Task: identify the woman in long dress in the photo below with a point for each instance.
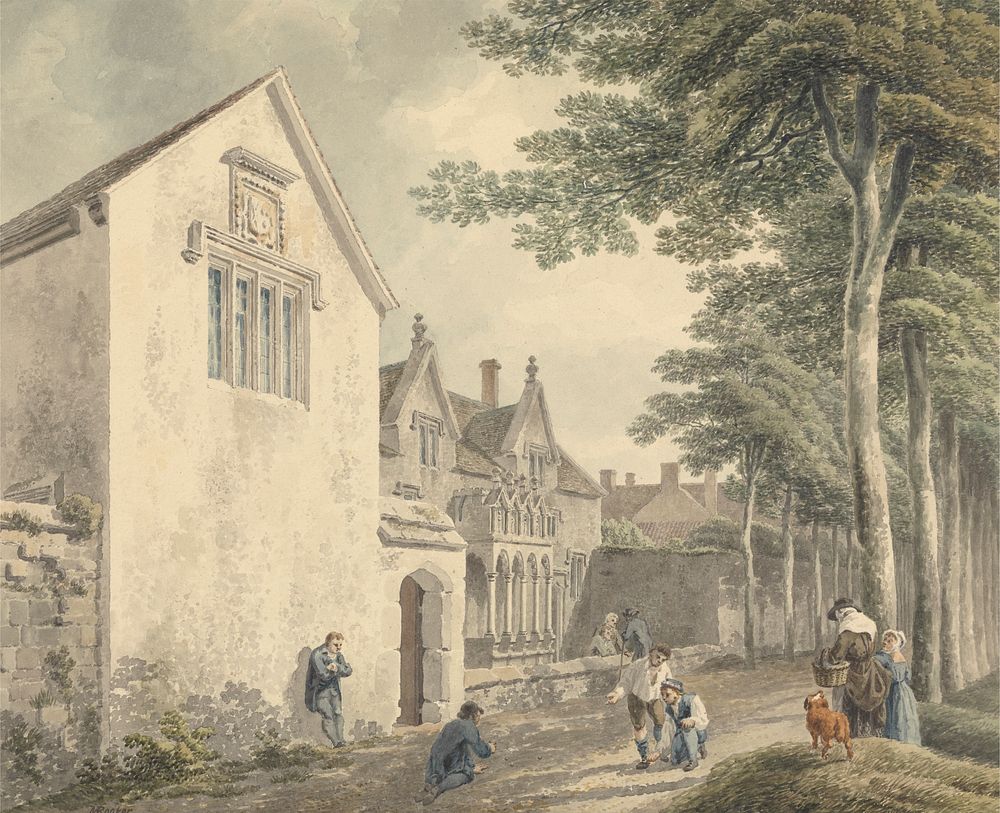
(867, 682)
(901, 720)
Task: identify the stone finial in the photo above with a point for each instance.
(532, 368)
(419, 329)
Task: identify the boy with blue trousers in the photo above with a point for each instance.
(686, 711)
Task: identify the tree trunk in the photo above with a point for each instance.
(788, 546)
(952, 678)
(993, 543)
(836, 560)
(981, 566)
(967, 607)
(750, 587)
(875, 228)
(850, 561)
(819, 608)
(926, 662)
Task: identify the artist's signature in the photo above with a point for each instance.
(106, 809)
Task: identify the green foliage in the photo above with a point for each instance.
(960, 732)
(291, 775)
(884, 775)
(42, 700)
(20, 520)
(58, 666)
(723, 128)
(273, 751)
(622, 533)
(83, 512)
(148, 763)
(721, 533)
(21, 745)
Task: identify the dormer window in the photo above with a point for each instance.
(429, 430)
(536, 464)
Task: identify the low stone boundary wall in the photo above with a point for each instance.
(512, 688)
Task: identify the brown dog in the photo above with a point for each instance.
(827, 725)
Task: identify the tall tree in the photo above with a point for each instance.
(738, 108)
(744, 408)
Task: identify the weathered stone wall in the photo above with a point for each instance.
(50, 635)
(519, 689)
(696, 599)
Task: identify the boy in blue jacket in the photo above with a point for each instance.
(686, 711)
(451, 762)
(327, 666)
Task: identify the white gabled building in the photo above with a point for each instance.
(190, 333)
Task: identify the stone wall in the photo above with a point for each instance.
(50, 635)
(697, 599)
(513, 688)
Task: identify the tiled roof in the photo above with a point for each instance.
(113, 171)
(388, 378)
(473, 460)
(465, 408)
(662, 533)
(570, 477)
(487, 429)
(624, 501)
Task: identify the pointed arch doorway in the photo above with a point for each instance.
(423, 608)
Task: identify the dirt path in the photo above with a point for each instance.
(575, 757)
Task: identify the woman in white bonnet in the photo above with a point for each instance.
(867, 681)
(901, 720)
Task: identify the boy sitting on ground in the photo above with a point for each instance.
(686, 711)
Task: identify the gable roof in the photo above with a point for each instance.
(570, 476)
(388, 378)
(487, 429)
(61, 206)
(422, 362)
(623, 502)
(106, 175)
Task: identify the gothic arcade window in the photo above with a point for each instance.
(252, 342)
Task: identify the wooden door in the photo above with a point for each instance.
(411, 652)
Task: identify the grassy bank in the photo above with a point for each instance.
(967, 724)
(884, 775)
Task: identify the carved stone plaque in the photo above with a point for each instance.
(257, 205)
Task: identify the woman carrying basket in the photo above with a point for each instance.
(868, 683)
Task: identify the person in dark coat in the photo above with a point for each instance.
(867, 681)
(327, 666)
(451, 763)
(636, 637)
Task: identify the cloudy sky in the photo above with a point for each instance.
(389, 88)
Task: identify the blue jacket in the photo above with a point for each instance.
(450, 752)
(319, 678)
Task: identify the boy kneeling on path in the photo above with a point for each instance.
(641, 682)
(687, 713)
(451, 763)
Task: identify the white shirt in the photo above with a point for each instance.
(698, 713)
(642, 680)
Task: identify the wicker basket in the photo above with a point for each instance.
(831, 676)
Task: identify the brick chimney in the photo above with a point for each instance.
(608, 477)
(491, 382)
(711, 492)
(630, 478)
(670, 477)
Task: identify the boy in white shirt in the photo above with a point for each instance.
(641, 683)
